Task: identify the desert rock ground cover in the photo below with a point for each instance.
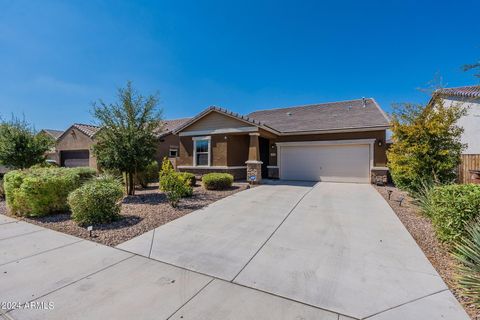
(144, 211)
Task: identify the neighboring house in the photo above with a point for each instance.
(339, 141)
(468, 97)
(168, 142)
(74, 145)
(54, 134)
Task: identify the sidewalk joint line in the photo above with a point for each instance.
(405, 303)
(80, 279)
(151, 244)
(41, 252)
(23, 234)
(198, 292)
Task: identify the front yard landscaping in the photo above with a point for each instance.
(423, 231)
(144, 211)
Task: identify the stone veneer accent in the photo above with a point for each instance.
(238, 173)
(254, 168)
(379, 173)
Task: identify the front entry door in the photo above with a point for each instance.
(264, 155)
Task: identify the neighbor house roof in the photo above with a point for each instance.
(88, 129)
(168, 126)
(466, 91)
(343, 115)
(55, 134)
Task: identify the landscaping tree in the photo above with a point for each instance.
(20, 146)
(126, 141)
(426, 144)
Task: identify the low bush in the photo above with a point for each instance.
(188, 177)
(422, 197)
(468, 254)
(174, 184)
(217, 181)
(42, 191)
(98, 201)
(451, 208)
(148, 175)
(175, 188)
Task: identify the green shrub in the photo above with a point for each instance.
(217, 181)
(468, 254)
(422, 196)
(175, 188)
(452, 207)
(98, 201)
(174, 184)
(148, 175)
(189, 178)
(42, 191)
(2, 190)
(44, 164)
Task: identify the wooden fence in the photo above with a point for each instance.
(469, 162)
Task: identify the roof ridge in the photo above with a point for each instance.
(176, 119)
(85, 124)
(312, 104)
(459, 87)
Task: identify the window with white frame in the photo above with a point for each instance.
(173, 153)
(201, 150)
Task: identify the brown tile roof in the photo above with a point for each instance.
(88, 129)
(168, 126)
(352, 114)
(466, 91)
(55, 134)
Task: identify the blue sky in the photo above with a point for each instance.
(57, 57)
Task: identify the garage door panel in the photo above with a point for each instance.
(75, 158)
(346, 163)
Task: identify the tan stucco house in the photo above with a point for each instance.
(73, 146)
(339, 141)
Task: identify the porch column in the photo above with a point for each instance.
(254, 165)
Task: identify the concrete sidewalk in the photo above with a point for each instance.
(48, 275)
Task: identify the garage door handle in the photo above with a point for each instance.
(320, 168)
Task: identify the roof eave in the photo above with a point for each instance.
(226, 113)
(339, 130)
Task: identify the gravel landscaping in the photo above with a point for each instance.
(145, 211)
(422, 231)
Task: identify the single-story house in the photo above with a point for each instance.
(469, 98)
(338, 141)
(52, 155)
(74, 146)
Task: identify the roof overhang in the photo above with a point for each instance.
(296, 133)
(227, 113)
(218, 131)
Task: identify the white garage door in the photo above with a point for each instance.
(337, 163)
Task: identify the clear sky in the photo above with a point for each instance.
(56, 57)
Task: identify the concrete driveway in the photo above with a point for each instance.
(334, 246)
(286, 251)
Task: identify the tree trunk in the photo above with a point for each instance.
(131, 184)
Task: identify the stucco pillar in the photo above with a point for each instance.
(254, 165)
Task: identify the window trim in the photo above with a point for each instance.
(209, 152)
(170, 151)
